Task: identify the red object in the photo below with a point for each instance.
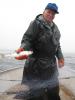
(61, 62)
(22, 57)
(19, 50)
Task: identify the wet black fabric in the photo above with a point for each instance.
(42, 39)
(44, 94)
(39, 75)
(52, 94)
(40, 70)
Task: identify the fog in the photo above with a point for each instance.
(15, 16)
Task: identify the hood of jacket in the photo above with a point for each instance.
(41, 19)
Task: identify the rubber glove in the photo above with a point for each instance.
(61, 63)
(21, 57)
(19, 50)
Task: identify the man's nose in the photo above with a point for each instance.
(51, 15)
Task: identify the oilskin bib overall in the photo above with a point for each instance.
(40, 72)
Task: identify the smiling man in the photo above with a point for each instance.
(43, 38)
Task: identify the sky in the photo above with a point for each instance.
(16, 15)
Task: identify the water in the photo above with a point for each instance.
(7, 63)
(70, 60)
(10, 63)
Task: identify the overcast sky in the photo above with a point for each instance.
(15, 16)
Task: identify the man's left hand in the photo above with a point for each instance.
(61, 63)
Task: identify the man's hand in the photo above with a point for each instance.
(22, 57)
(19, 50)
(61, 63)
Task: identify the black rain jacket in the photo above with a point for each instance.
(43, 39)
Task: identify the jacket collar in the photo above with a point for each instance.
(41, 19)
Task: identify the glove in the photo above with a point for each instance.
(61, 63)
(21, 57)
(19, 50)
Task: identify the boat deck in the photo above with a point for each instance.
(67, 91)
(67, 86)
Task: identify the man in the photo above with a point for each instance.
(42, 37)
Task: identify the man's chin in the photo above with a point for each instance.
(48, 20)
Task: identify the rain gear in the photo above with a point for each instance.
(40, 70)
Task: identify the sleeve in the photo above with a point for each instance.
(29, 36)
(59, 53)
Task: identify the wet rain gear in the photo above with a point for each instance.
(44, 40)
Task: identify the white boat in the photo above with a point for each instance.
(10, 84)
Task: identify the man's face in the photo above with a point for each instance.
(49, 15)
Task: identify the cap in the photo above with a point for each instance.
(53, 7)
